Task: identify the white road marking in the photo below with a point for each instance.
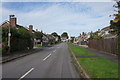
(54, 50)
(26, 73)
(51, 48)
(46, 57)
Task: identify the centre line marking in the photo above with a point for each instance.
(26, 73)
(46, 57)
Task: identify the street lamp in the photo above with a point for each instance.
(9, 34)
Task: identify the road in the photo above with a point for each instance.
(51, 62)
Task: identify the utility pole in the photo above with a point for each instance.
(9, 34)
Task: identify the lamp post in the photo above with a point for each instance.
(9, 34)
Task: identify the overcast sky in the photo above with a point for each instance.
(72, 17)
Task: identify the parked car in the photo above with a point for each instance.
(83, 42)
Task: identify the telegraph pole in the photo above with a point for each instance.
(9, 34)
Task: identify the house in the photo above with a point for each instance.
(105, 33)
(56, 38)
(45, 40)
(64, 39)
(51, 37)
(83, 38)
(12, 23)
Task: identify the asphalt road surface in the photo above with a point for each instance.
(51, 62)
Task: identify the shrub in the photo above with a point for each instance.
(21, 39)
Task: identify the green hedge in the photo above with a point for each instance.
(21, 39)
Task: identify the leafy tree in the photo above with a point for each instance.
(54, 34)
(72, 39)
(59, 38)
(38, 35)
(115, 24)
(83, 33)
(23, 33)
(65, 34)
(95, 36)
(25, 38)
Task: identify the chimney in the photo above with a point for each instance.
(13, 21)
(30, 28)
(36, 30)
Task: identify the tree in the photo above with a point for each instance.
(57, 36)
(83, 33)
(25, 38)
(38, 35)
(54, 34)
(115, 24)
(72, 39)
(95, 36)
(65, 34)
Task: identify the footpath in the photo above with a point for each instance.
(20, 54)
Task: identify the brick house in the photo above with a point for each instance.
(105, 33)
(13, 24)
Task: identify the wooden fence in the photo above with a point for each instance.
(106, 45)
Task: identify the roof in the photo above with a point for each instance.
(106, 28)
(8, 22)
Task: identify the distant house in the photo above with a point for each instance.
(105, 33)
(51, 37)
(45, 40)
(83, 38)
(64, 39)
(56, 38)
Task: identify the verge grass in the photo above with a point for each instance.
(95, 67)
(79, 51)
(99, 67)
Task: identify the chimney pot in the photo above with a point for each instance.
(30, 28)
(13, 21)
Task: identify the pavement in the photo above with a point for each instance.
(51, 62)
(109, 56)
(17, 55)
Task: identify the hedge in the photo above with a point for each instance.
(21, 39)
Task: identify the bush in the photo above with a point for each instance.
(21, 39)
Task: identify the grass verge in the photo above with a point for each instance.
(79, 51)
(95, 67)
(99, 67)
